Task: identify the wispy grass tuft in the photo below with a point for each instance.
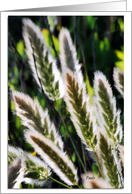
(33, 169)
(109, 123)
(118, 76)
(32, 115)
(41, 61)
(68, 54)
(109, 116)
(109, 162)
(53, 156)
(80, 110)
(15, 173)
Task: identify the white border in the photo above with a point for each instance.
(127, 108)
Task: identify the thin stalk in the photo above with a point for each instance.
(83, 152)
(60, 182)
(119, 173)
(98, 165)
(86, 76)
(93, 44)
(75, 32)
(80, 187)
(72, 142)
(53, 46)
(121, 34)
(18, 69)
(18, 55)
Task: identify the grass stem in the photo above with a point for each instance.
(98, 165)
(72, 143)
(60, 183)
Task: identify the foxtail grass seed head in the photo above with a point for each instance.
(34, 170)
(90, 181)
(109, 116)
(109, 162)
(15, 173)
(53, 22)
(53, 156)
(109, 122)
(13, 153)
(68, 54)
(42, 64)
(118, 77)
(78, 105)
(33, 116)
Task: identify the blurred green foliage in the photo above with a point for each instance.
(109, 51)
(120, 64)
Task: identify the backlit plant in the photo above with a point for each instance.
(97, 124)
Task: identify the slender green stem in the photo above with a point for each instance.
(88, 86)
(72, 142)
(98, 165)
(83, 152)
(60, 183)
(80, 187)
